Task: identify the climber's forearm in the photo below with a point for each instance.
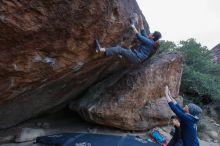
(143, 33)
(142, 22)
(167, 94)
(168, 98)
(142, 26)
(174, 101)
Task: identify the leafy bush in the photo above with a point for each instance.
(201, 77)
(167, 46)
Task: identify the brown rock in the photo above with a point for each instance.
(216, 53)
(47, 54)
(133, 100)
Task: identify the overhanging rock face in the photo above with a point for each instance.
(47, 54)
(133, 100)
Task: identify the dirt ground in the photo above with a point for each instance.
(67, 121)
(209, 126)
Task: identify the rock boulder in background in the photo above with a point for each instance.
(133, 100)
(216, 53)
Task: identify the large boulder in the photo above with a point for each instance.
(134, 99)
(47, 54)
(216, 53)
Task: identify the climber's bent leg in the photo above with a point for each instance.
(128, 54)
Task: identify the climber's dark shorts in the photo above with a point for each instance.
(127, 53)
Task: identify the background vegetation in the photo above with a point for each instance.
(201, 77)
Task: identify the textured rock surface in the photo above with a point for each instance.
(47, 54)
(133, 100)
(216, 53)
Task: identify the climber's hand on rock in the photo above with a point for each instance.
(134, 28)
(167, 90)
(167, 94)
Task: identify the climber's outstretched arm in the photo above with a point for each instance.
(167, 94)
(144, 40)
(141, 38)
(171, 99)
(143, 32)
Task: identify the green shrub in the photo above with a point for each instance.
(200, 75)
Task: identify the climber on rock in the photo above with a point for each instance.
(188, 119)
(149, 45)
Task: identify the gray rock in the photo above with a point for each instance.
(216, 53)
(44, 125)
(7, 139)
(215, 141)
(29, 134)
(204, 143)
(213, 134)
